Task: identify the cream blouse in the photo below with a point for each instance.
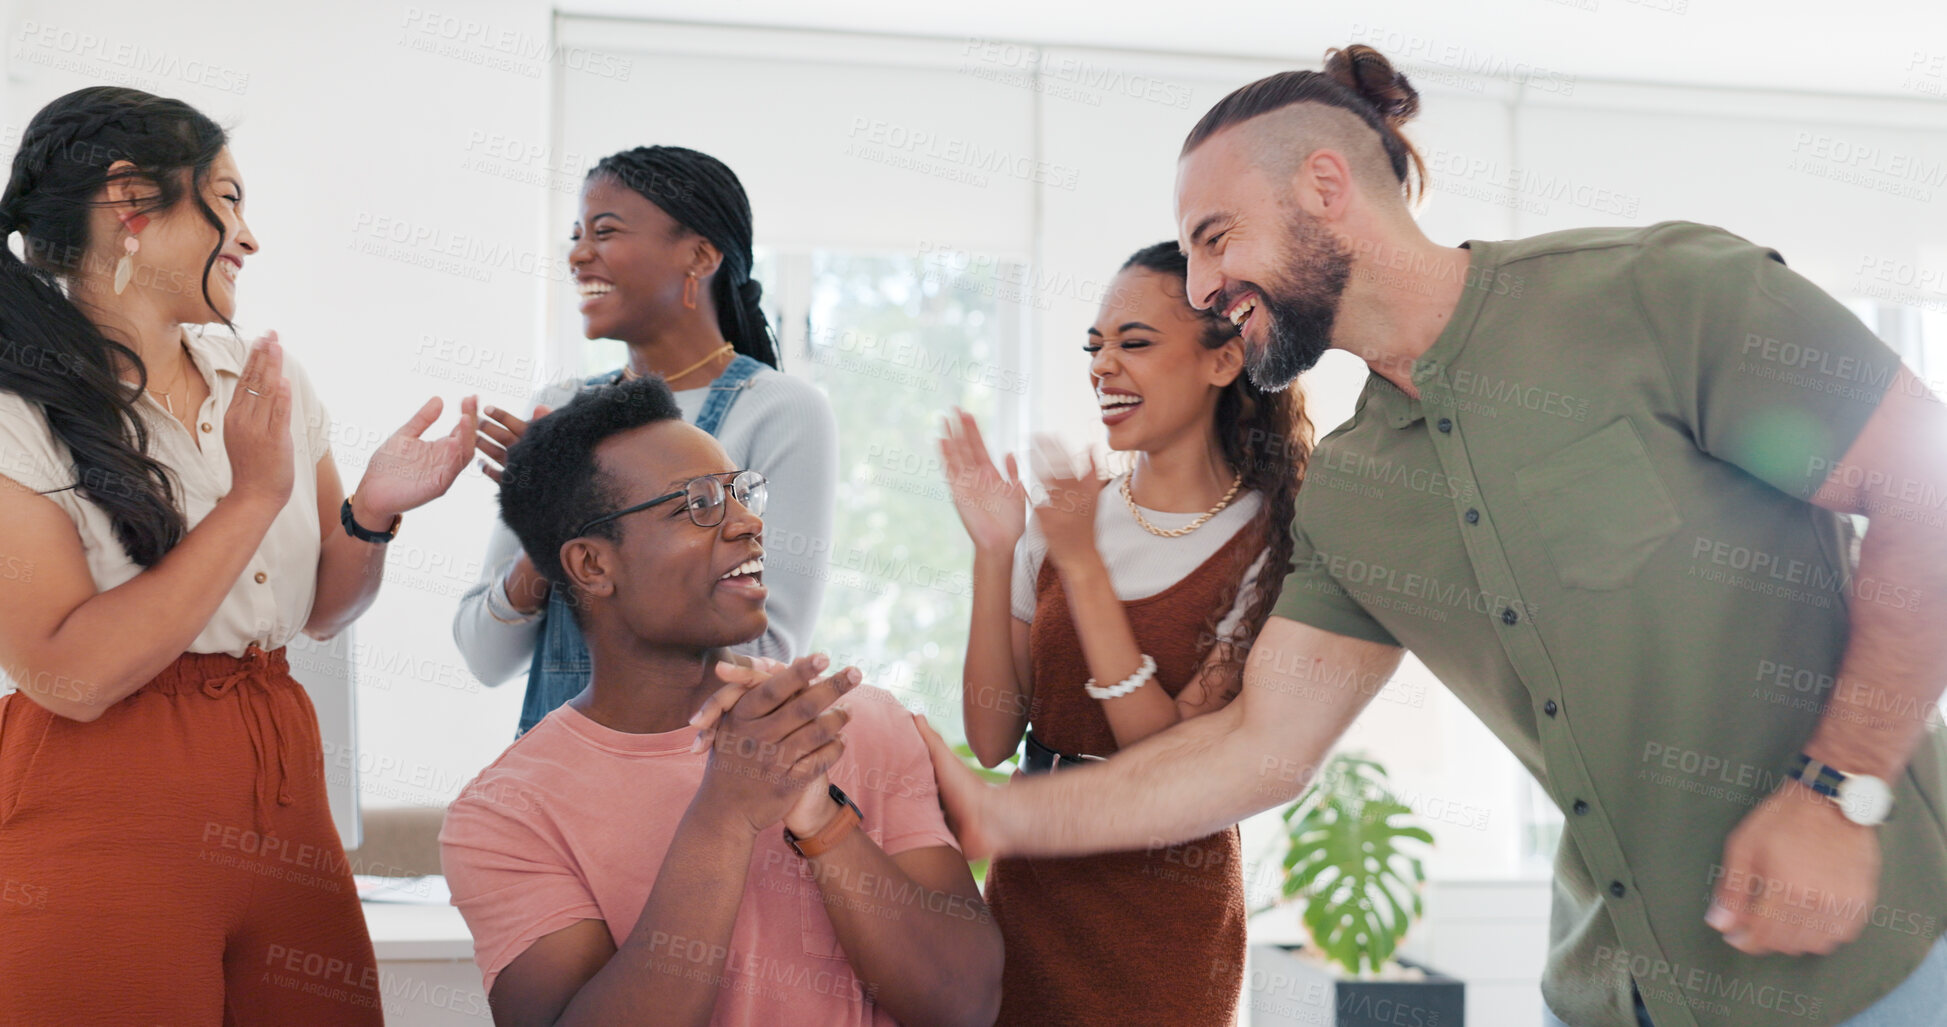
(270, 602)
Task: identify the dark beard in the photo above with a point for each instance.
(1302, 307)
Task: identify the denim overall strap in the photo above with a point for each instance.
(725, 390)
(560, 667)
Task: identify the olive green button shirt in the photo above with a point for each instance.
(1593, 526)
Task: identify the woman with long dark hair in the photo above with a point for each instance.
(1118, 610)
(662, 261)
(170, 516)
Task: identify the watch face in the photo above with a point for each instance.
(1865, 800)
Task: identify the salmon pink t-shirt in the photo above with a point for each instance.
(571, 823)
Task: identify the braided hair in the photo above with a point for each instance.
(703, 195)
(51, 354)
(1267, 439)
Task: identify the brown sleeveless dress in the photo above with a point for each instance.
(1124, 938)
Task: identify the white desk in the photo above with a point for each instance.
(426, 972)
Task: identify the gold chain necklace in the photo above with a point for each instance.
(1202, 519)
(628, 373)
(181, 379)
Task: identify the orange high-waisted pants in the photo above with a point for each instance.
(174, 861)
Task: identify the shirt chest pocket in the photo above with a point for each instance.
(1600, 507)
(869, 892)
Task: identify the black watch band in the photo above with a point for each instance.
(1824, 781)
(352, 527)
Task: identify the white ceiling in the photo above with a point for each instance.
(1889, 47)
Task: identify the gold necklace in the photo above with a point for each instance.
(168, 403)
(628, 373)
(1202, 519)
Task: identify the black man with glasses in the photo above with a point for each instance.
(614, 866)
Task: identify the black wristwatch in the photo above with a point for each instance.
(351, 525)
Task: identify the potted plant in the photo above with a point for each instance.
(1353, 856)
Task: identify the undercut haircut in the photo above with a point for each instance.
(1357, 106)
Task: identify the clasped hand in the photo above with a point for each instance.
(772, 732)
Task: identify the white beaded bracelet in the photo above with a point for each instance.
(1129, 684)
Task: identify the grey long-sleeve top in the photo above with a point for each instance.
(781, 427)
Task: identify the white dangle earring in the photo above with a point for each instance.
(125, 267)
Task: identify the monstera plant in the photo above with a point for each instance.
(1354, 858)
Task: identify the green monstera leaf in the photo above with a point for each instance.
(1353, 858)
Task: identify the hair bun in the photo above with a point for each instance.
(1367, 72)
(750, 291)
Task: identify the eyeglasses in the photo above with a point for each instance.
(705, 499)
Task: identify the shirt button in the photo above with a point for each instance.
(1616, 888)
(1445, 425)
(206, 426)
(1581, 807)
(262, 577)
(1509, 617)
(1549, 707)
(1473, 517)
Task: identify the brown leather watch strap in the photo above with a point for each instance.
(832, 833)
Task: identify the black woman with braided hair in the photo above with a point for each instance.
(170, 517)
(662, 261)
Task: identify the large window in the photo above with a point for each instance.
(896, 341)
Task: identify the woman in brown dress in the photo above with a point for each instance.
(1119, 609)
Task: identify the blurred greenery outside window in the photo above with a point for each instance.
(896, 340)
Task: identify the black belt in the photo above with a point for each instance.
(1039, 759)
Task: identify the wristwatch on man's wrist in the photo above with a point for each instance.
(1865, 800)
(834, 830)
